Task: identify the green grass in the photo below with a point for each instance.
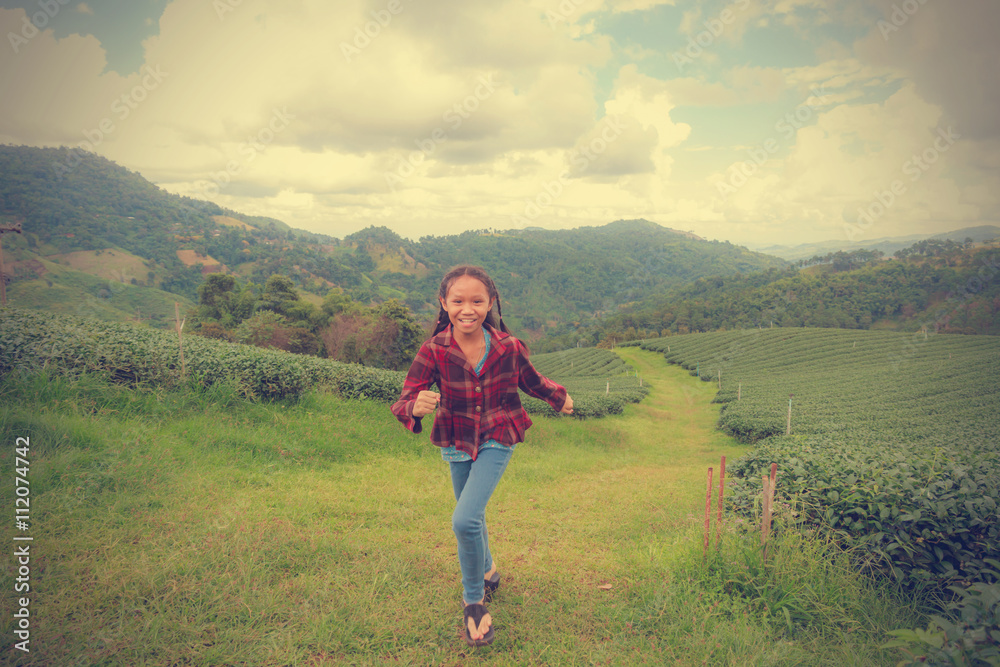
(66, 290)
(195, 528)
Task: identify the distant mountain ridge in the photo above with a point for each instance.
(887, 245)
(100, 216)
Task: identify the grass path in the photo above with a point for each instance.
(320, 533)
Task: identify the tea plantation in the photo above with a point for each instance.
(34, 341)
(598, 380)
(894, 440)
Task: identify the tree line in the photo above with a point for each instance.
(274, 315)
(954, 290)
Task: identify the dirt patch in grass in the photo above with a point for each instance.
(209, 264)
(227, 221)
(116, 265)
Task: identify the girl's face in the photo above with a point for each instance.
(467, 304)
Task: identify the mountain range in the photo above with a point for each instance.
(100, 240)
(886, 245)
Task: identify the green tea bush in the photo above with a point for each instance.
(967, 634)
(894, 445)
(125, 353)
(597, 379)
(34, 341)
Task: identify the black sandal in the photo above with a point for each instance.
(490, 586)
(476, 613)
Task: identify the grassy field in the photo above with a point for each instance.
(195, 528)
(94, 284)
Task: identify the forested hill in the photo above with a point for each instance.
(82, 214)
(941, 286)
(546, 277)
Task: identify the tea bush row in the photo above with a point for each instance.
(597, 379)
(894, 443)
(125, 353)
(131, 354)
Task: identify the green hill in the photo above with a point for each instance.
(546, 278)
(568, 276)
(941, 286)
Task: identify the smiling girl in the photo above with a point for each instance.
(478, 367)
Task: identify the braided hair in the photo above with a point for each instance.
(479, 273)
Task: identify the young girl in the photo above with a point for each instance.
(477, 366)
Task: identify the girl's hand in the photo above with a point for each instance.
(426, 402)
(567, 408)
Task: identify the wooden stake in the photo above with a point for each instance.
(718, 515)
(179, 324)
(708, 511)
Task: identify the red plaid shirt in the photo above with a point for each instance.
(473, 408)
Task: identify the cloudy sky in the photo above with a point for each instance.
(753, 121)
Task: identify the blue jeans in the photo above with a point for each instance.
(474, 482)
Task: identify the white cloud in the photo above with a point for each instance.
(949, 51)
(853, 156)
(478, 108)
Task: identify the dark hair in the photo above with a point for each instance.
(479, 273)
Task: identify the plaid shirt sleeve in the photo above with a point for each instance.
(531, 382)
(422, 374)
